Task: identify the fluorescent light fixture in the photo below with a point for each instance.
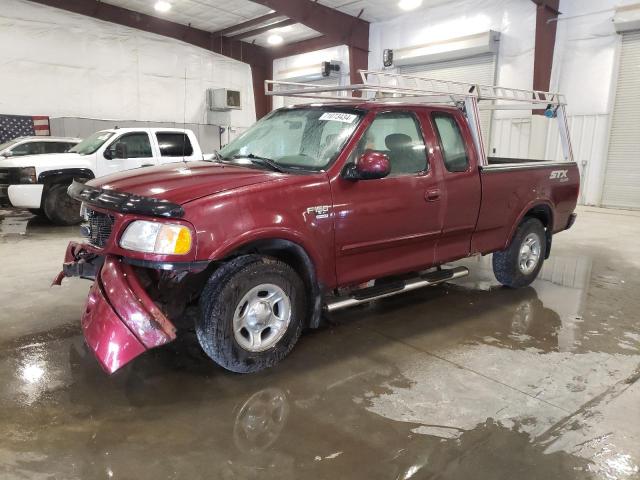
(288, 28)
(409, 4)
(162, 6)
(275, 40)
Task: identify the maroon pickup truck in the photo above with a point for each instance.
(314, 208)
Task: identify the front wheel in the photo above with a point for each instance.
(60, 208)
(252, 313)
(520, 263)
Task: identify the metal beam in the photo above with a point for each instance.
(266, 28)
(304, 46)
(338, 26)
(242, 51)
(248, 24)
(546, 24)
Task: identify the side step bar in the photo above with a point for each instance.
(383, 291)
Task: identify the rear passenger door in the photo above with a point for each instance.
(129, 150)
(462, 192)
(174, 146)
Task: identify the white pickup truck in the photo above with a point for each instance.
(39, 182)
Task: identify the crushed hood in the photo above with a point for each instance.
(182, 182)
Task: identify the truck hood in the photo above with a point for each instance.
(44, 161)
(183, 182)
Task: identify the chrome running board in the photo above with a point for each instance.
(383, 291)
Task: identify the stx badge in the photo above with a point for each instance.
(559, 175)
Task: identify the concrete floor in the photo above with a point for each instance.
(467, 380)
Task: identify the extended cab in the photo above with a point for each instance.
(39, 183)
(312, 209)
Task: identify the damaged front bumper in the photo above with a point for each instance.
(120, 320)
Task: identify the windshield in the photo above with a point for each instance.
(8, 144)
(305, 138)
(90, 144)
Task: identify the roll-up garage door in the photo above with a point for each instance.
(622, 178)
(478, 69)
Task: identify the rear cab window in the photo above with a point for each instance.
(452, 144)
(174, 144)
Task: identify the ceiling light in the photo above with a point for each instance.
(409, 4)
(275, 40)
(162, 6)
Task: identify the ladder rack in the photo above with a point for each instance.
(389, 87)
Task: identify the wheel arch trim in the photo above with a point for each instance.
(293, 253)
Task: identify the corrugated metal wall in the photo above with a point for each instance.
(622, 179)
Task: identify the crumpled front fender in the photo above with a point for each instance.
(121, 321)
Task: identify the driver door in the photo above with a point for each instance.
(130, 150)
(389, 225)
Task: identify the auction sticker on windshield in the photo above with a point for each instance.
(338, 117)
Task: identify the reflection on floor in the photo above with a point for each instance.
(465, 380)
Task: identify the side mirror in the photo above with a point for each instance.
(108, 153)
(370, 166)
(121, 150)
(7, 154)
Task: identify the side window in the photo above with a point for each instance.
(55, 147)
(397, 135)
(137, 145)
(454, 152)
(29, 148)
(174, 144)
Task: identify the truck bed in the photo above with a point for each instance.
(511, 188)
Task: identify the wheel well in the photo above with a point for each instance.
(63, 176)
(545, 215)
(295, 256)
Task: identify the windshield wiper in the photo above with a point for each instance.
(262, 161)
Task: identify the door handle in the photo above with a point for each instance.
(432, 195)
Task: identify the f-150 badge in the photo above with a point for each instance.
(320, 211)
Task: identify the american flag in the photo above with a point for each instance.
(12, 126)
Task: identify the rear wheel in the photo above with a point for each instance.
(59, 207)
(252, 313)
(520, 263)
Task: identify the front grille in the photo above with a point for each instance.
(99, 227)
(4, 175)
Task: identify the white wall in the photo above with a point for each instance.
(514, 19)
(287, 67)
(65, 65)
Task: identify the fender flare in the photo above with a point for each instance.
(292, 252)
(543, 205)
(51, 176)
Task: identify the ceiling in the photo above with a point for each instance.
(214, 15)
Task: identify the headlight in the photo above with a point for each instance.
(23, 175)
(156, 237)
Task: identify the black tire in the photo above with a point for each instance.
(218, 303)
(38, 212)
(60, 208)
(506, 263)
